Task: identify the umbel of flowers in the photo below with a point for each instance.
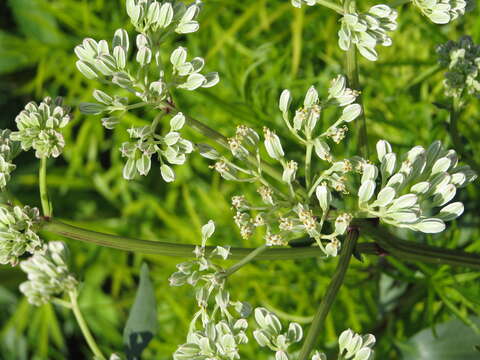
(18, 226)
(39, 127)
(48, 274)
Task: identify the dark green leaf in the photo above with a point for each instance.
(454, 341)
(142, 322)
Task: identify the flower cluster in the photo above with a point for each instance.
(8, 151)
(150, 16)
(219, 327)
(39, 127)
(367, 30)
(18, 227)
(48, 274)
(150, 79)
(288, 217)
(442, 11)
(304, 123)
(462, 59)
(171, 148)
(413, 187)
(352, 346)
(271, 334)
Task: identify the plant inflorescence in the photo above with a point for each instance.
(322, 197)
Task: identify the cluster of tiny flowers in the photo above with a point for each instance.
(414, 187)
(8, 150)
(462, 60)
(150, 16)
(39, 127)
(271, 334)
(171, 148)
(215, 332)
(352, 346)
(366, 31)
(18, 226)
(442, 11)
(48, 274)
(304, 123)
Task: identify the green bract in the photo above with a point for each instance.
(462, 60)
(18, 226)
(39, 127)
(8, 150)
(48, 274)
(413, 191)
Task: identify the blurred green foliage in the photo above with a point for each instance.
(259, 47)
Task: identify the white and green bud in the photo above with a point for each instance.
(273, 144)
(324, 197)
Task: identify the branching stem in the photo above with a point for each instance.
(247, 259)
(84, 327)
(330, 295)
(42, 181)
(354, 83)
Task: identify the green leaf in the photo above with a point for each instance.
(454, 341)
(141, 325)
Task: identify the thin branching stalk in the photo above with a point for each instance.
(385, 244)
(183, 250)
(330, 295)
(247, 259)
(84, 327)
(42, 181)
(354, 82)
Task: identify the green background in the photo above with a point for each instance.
(259, 47)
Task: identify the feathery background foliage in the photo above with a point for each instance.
(259, 47)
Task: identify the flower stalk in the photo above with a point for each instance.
(330, 294)
(84, 327)
(42, 180)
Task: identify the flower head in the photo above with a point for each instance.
(462, 59)
(18, 235)
(48, 274)
(39, 127)
(367, 30)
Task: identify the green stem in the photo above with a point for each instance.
(354, 83)
(455, 113)
(308, 163)
(182, 250)
(330, 295)
(331, 5)
(412, 251)
(84, 327)
(233, 269)
(405, 250)
(42, 181)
